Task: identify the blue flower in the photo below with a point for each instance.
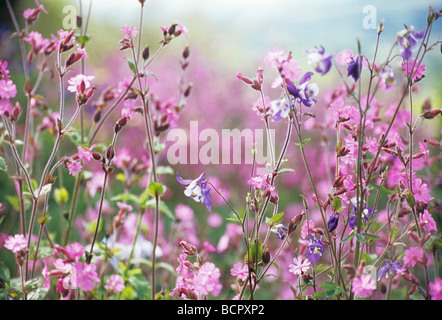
(367, 213)
(197, 190)
(407, 40)
(315, 249)
(320, 62)
(280, 230)
(305, 91)
(389, 268)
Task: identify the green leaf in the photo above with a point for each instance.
(3, 166)
(380, 188)
(370, 236)
(276, 219)
(306, 140)
(350, 236)
(155, 189)
(360, 238)
(329, 286)
(255, 252)
(131, 64)
(83, 40)
(337, 204)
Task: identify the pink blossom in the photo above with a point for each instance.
(430, 224)
(84, 276)
(114, 284)
(81, 51)
(64, 35)
(207, 279)
(299, 266)
(74, 167)
(363, 286)
(436, 289)
(420, 191)
(184, 212)
(16, 243)
(122, 157)
(36, 40)
(371, 145)
(181, 259)
(240, 271)
(75, 82)
(306, 227)
(274, 58)
(413, 255)
(5, 106)
(214, 220)
(129, 31)
(344, 57)
(4, 72)
(85, 154)
(418, 70)
(291, 70)
(8, 89)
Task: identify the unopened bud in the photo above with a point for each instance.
(188, 249)
(146, 53)
(266, 256)
(294, 222)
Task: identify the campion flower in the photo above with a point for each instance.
(412, 256)
(407, 39)
(305, 91)
(129, 31)
(420, 191)
(291, 70)
(428, 221)
(197, 190)
(274, 58)
(207, 280)
(75, 83)
(8, 90)
(280, 230)
(85, 154)
(239, 271)
(315, 249)
(114, 284)
(436, 289)
(319, 60)
(363, 286)
(413, 69)
(74, 167)
(16, 243)
(4, 72)
(299, 266)
(31, 15)
(84, 276)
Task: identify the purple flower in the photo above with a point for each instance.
(320, 62)
(367, 213)
(388, 268)
(197, 190)
(332, 222)
(305, 91)
(315, 249)
(407, 40)
(355, 67)
(280, 230)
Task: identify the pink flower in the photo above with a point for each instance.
(299, 266)
(207, 279)
(85, 154)
(181, 259)
(8, 89)
(436, 289)
(76, 81)
(129, 31)
(4, 72)
(430, 224)
(184, 212)
(114, 284)
(240, 271)
(344, 57)
(274, 58)
(74, 168)
(420, 191)
(257, 182)
(36, 40)
(413, 255)
(371, 144)
(66, 35)
(291, 70)
(214, 220)
(418, 70)
(81, 51)
(306, 227)
(363, 286)
(84, 276)
(16, 243)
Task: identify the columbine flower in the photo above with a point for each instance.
(240, 271)
(387, 78)
(413, 255)
(367, 213)
(332, 222)
(436, 289)
(299, 266)
(305, 91)
(389, 268)
(16, 243)
(319, 60)
(280, 109)
(280, 230)
(197, 190)
(363, 286)
(407, 40)
(355, 67)
(315, 249)
(428, 221)
(114, 284)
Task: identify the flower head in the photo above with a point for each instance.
(427, 220)
(74, 167)
(299, 266)
(8, 89)
(197, 190)
(436, 289)
(114, 284)
(407, 39)
(355, 67)
(363, 286)
(412, 256)
(16, 243)
(240, 271)
(319, 60)
(280, 230)
(315, 249)
(75, 83)
(305, 91)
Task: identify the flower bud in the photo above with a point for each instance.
(294, 222)
(146, 53)
(266, 256)
(188, 249)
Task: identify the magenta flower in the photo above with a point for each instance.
(75, 82)
(420, 191)
(240, 271)
(84, 276)
(291, 70)
(16, 243)
(4, 72)
(427, 219)
(413, 69)
(207, 279)
(74, 167)
(413, 255)
(129, 31)
(436, 289)
(299, 266)
(85, 154)
(114, 284)
(8, 90)
(363, 286)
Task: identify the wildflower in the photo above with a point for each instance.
(274, 58)
(280, 230)
(31, 15)
(332, 222)
(4, 72)
(38, 43)
(413, 255)
(184, 212)
(207, 279)
(319, 60)
(280, 109)
(85, 154)
(299, 266)
(315, 249)
(197, 190)
(307, 226)
(305, 91)
(344, 57)
(413, 69)
(389, 268)
(16, 243)
(84, 276)
(74, 167)
(355, 67)
(114, 284)
(420, 191)
(367, 213)
(76, 82)
(291, 70)
(427, 219)
(129, 32)
(386, 78)
(436, 289)
(181, 259)
(363, 286)
(8, 90)
(407, 40)
(240, 271)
